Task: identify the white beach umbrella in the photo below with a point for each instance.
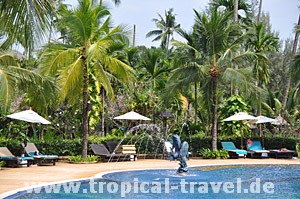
(29, 116)
(131, 116)
(239, 116)
(262, 119)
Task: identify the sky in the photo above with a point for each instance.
(283, 15)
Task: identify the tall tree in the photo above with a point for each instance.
(91, 48)
(152, 67)
(13, 76)
(189, 70)
(262, 43)
(237, 6)
(166, 28)
(259, 11)
(236, 10)
(288, 81)
(26, 22)
(216, 33)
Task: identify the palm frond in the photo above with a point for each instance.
(102, 78)
(7, 84)
(70, 80)
(56, 57)
(27, 19)
(240, 78)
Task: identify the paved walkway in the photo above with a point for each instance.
(16, 178)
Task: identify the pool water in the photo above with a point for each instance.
(226, 182)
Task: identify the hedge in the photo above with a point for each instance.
(149, 145)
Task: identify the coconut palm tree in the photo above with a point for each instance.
(262, 43)
(288, 81)
(166, 28)
(26, 22)
(91, 48)
(13, 76)
(259, 11)
(216, 34)
(152, 67)
(236, 6)
(189, 70)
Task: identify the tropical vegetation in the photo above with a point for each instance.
(79, 70)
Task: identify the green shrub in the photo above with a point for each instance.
(210, 154)
(75, 158)
(2, 164)
(207, 153)
(144, 144)
(78, 158)
(280, 142)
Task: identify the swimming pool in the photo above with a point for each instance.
(228, 181)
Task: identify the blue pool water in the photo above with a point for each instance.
(226, 182)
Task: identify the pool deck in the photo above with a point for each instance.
(16, 178)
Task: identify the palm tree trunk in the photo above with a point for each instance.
(288, 81)
(259, 11)
(196, 104)
(235, 19)
(103, 112)
(167, 44)
(85, 108)
(214, 112)
(134, 35)
(236, 9)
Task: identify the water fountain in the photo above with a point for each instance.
(180, 152)
(147, 133)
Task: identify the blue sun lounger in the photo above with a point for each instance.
(39, 158)
(11, 160)
(233, 151)
(255, 149)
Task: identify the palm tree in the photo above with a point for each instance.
(216, 33)
(90, 49)
(295, 67)
(236, 6)
(261, 43)
(13, 76)
(236, 10)
(189, 70)
(259, 11)
(288, 81)
(26, 22)
(166, 28)
(151, 66)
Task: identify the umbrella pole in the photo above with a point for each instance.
(260, 131)
(242, 134)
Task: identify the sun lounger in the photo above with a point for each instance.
(255, 149)
(39, 158)
(112, 146)
(282, 153)
(103, 152)
(233, 151)
(117, 148)
(167, 150)
(11, 160)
